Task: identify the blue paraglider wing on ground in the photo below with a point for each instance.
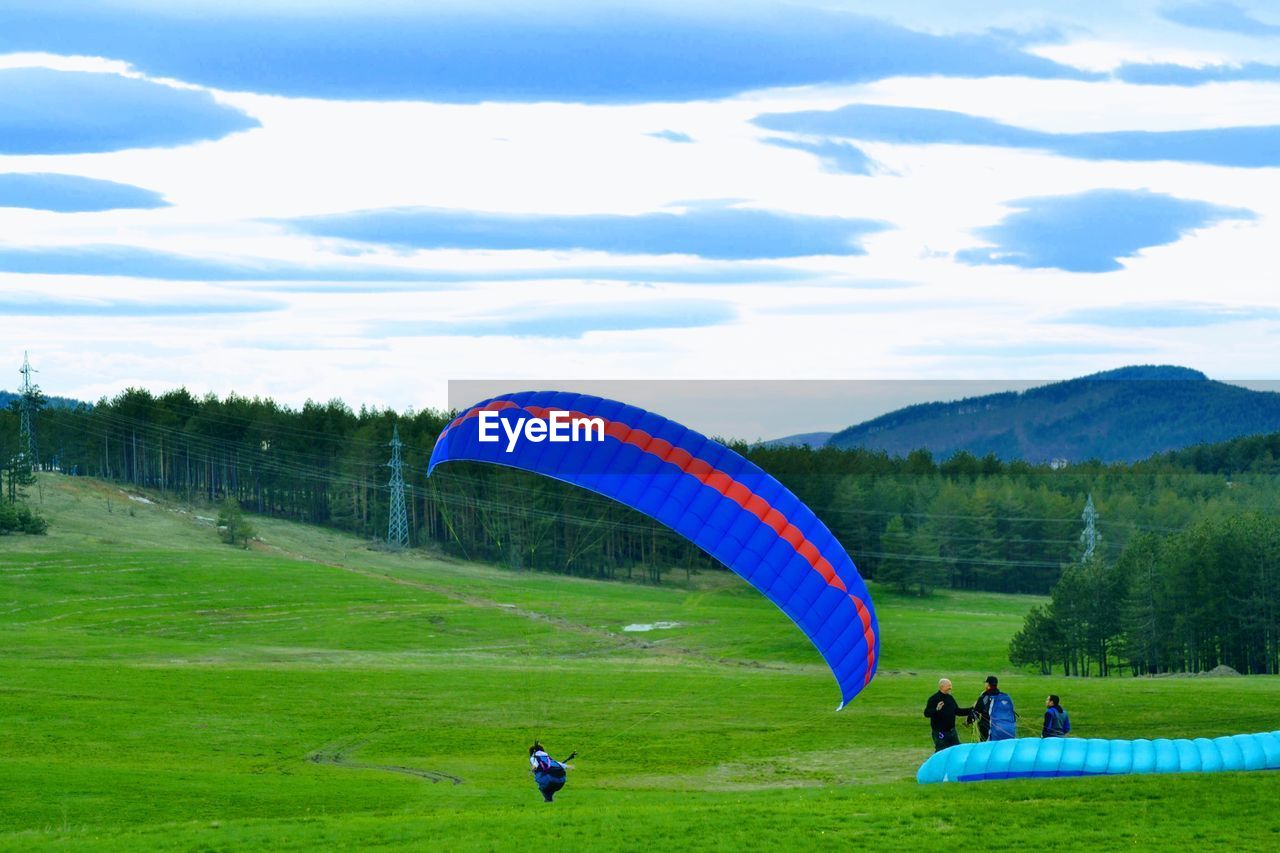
(1030, 758)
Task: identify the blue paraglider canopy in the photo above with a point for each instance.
(1033, 758)
(723, 503)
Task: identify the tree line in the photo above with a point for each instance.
(913, 522)
(17, 472)
(1206, 596)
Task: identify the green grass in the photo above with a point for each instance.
(159, 689)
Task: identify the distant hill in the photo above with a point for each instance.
(804, 439)
(1116, 416)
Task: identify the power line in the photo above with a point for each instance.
(930, 558)
(521, 509)
(223, 451)
(203, 454)
(201, 415)
(212, 450)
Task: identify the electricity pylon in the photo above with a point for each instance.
(398, 521)
(26, 427)
(1090, 536)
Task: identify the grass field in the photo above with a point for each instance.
(160, 689)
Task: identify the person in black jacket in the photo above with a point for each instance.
(941, 709)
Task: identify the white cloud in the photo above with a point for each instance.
(313, 157)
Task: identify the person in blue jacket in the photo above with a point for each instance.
(548, 773)
(1056, 721)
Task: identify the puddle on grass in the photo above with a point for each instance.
(650, 626)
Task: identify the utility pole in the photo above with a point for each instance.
(397, 522)
(26, 429)
(1089, 538)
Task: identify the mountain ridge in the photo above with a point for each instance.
(1121, 415)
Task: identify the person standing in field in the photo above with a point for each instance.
(1056, 721)
(994, 713)
(548, 773)
(942, 710)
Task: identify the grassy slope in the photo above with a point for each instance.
(159, 688)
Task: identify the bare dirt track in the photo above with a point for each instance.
(338, 756)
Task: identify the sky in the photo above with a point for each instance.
(367, 200)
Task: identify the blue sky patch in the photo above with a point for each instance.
(1246, 147)
(133, 262)
(570, 321)
(1018, 349)
(72, 193)
(74, 112)
(717, 232)
(587, 52)
(1219, 16)
(1092, 231)
(835, 156)
(1170, 74)
(1166, 315)
(45, 306)
(671, 136)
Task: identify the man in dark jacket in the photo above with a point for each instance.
(941, 709)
